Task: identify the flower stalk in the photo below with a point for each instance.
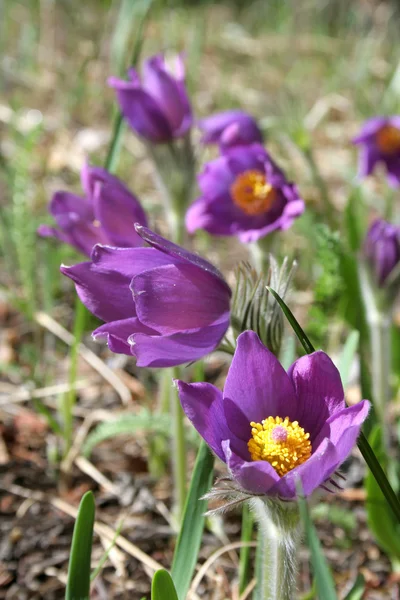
(278, 537)
(178, 449)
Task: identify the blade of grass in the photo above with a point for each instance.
(323, 578)
(162, 586)
(364, 446)
(106, 554)
(78, 584)
(189, 540)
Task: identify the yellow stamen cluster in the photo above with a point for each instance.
(284, 444)
(252, 193)
(388, 139)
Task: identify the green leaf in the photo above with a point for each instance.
(189, 540)
(162, 586)
(358, 589)
(381, 520)
(365, 448)
(323, 578)
(126, 424)
(347, 356)
(78, 584)
(354, 219)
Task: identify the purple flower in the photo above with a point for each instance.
(156, 107)
(163, 304)
(106, 214)
(382, 249)
(244, 193)
(380, 143)
(271, 427)
(230, 128)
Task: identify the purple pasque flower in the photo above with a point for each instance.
(271, 427)
(379, 142)
(163, 304)
(106, 214)
(244, 193)
(382, 249)
(156, 106)
(230, 128)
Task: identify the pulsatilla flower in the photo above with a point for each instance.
(382, 251)
(162, 304)
(272, 428)
(244, 193)
(230, 128)
(106, 214)
(156, 106)
(379, 140)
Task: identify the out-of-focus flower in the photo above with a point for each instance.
(106, 214)
(382, 250)
(271, 427)
(230, 128)
(244, 193)
(156, 106)
(163, 304)
(379, 142)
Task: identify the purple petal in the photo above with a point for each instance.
(319, 391)
(258, 385)
(343, 428)
(170, 96)
(202, 404)
(176, 349)
(65, 202)
(141, 111)
(312, 473)
(257, 477)
(128, 262)
(177, 252)
(173, 298)
(105, 293)
(216, 178)
(117, 333)
(229, 128)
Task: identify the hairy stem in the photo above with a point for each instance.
(278, 537)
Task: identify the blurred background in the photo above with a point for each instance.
(311, 72)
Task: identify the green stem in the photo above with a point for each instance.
(278, 536)
(319, 182)
(378, 319)
(178, 449)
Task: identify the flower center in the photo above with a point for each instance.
(252, 193)
(284, 444)
(388, 139)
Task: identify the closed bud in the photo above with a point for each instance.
(253, 305)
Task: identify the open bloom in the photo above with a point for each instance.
(271, 427)
(163, 304)
(230, 128)
(106, 214)
(382, 249)
(157, 106)
(244, 193)
(379, 140)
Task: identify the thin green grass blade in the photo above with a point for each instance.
(162, 586)
(358, 589)
(323, 578)
(189, 540)
(106, 554)
(78, 584)
(347, 356)
(365, 448)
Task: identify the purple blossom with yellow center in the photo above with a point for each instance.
(162, 304)
(230, 128)
(379, 142)
(156, 106)
(244, 193)
(106, 214)
(272, 428)
(382, 250)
